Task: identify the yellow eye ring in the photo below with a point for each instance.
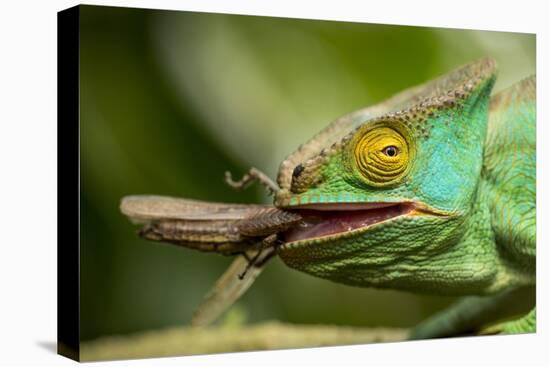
(382, 155)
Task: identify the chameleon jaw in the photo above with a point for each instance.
(325, 222)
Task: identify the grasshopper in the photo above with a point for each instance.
(250, 232)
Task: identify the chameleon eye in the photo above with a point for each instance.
(382, 155)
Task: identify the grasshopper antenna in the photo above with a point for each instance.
(252, 175)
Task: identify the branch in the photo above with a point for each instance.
(263, 336)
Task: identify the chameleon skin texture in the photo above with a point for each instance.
(471, 176)
(526, 323)
(509, 168)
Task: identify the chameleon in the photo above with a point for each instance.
(430, 191)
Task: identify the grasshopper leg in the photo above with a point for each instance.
(267, 244)
(252, 175)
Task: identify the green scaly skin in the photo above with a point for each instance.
(470, 174)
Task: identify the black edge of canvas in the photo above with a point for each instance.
(68, 190)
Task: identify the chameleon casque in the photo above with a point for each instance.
(431, 191)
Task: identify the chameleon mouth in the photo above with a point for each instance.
(329, 220)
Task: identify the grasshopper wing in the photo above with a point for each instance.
(146, 208)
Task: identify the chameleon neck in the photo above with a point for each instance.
(484, 262)
(476, 259)
(508, 177)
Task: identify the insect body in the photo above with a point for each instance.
(228, 229)
(249, 231)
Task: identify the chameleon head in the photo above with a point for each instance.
(388, 188)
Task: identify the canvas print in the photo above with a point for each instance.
(256, 183)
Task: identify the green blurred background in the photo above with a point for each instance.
(171, 100)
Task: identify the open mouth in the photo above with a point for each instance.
(327, 220)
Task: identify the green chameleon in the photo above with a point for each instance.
(431, 191)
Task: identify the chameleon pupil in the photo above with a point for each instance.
(391, 151)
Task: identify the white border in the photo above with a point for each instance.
(28, 181)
